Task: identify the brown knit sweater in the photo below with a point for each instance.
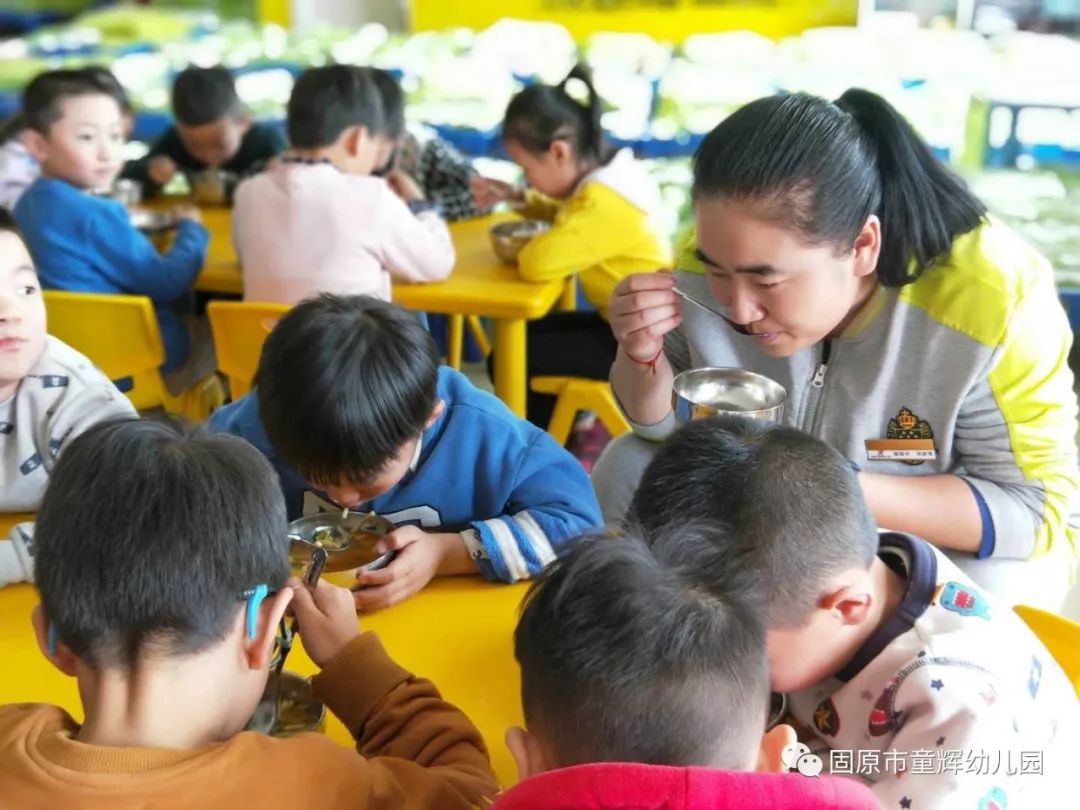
(415, 751)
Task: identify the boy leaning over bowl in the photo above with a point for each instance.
(354, 410)
(909, 673)
(163, 572)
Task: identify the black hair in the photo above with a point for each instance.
(326, 101)
(542, 113)
(821, 169)
(792, 505)
(42, 98)
(393, 102)
(10, 127)
(148, 535)
(343, 383)
(624, 657)
(8, 223)
(108, 79)
(203, 95)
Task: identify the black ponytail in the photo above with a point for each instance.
(542, 113)
(821, 169)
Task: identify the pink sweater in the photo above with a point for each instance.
(303, 229)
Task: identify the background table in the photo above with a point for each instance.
(479, 285)
(458, 632)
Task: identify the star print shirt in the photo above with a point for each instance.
(952, 703)
(61, 396)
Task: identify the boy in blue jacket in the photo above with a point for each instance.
(353, 409)
(84, 242)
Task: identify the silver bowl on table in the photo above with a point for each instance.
(508, 238)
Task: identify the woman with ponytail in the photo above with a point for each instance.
(915, 334)
(603, 208)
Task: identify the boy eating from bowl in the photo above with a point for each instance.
(354, 410)
(641, 689)
(163, 570)
(889, 653)
(211, 131)
(86, 243)
(49, 394)
(317, 221)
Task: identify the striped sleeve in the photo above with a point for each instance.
(551, 502)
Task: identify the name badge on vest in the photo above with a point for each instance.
(909, 439)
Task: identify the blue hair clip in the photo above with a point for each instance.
(254, 598)
(52, 641)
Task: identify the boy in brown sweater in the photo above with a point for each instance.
(154, 544)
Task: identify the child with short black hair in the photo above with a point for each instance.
(18, 167)
(49, 394)
(444, 174)
(641, 689)
(86, 243)
(211, 130)
(317, 221)
(884, 644)
(355, 411)
(163, 571)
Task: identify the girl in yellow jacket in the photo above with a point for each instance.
(603, 208)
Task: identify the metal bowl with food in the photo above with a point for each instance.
(127, 192)
(288, 706)
(152, 221)
(213, 187)
(349, 543)
(705, 392)
(508, 238)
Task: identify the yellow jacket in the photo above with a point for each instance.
(604, 231)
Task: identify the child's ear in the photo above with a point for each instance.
(243, 122)
(561, 151)
(527, 752)
(357, 140)
(60, 657)
(850, 600)
(770, 755)
(35, 144)
(258, 650)
(436, 412)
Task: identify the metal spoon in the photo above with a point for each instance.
(742, 330)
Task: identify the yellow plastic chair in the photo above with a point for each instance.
(240, 329)
(119, 333)
(1060, 636)
(575, 394)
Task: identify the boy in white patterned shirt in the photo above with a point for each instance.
(888, 652)
(49, 393)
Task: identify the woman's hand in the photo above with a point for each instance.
(642, 310)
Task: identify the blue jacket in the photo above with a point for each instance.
(512, 492)
(85, 243)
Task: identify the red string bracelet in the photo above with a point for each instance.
(650, 363)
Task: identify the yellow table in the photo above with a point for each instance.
(458, 632)
(480, 285)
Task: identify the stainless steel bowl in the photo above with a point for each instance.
(508, 238)
(704, 392)
(152, 221)
(213, 187)
(349, 544)
(127, 192)
(288, 706)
